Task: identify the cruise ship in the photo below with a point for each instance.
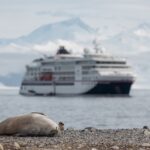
(69, 74)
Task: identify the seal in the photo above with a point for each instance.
(32, 124)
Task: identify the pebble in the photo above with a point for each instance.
(23, 144)
(141, 149)
(1, 147)
(145, 127)
(94, 149)
(17, 146)
(115, 147)
(146, 144)
(41, 145)
(80, 146)
(69, 148)
(91, 129)
(146, 132)
(70, 128)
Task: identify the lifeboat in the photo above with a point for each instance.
(46, 77)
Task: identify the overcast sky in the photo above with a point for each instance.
(19, 17)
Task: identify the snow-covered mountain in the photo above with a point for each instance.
(132, 41)
(67, 30)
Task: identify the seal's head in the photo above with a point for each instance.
(61, 126)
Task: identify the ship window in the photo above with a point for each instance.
(65, 78)
(77, 62)
(110, 62)
(64, 73)
(57, 68)
(85, 72)
(122, 67)
(86, 67)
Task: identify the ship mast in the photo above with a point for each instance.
(97, 46)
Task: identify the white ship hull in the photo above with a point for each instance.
(101, 87)
(52, 89)
(67, 74)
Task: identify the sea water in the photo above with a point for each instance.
(78, 112)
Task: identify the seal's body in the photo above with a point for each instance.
(33, 124)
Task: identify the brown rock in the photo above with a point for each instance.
(146, 144)
(146, 132)
(17, 146)
(94, 148)
(1, 147)
(115, 147)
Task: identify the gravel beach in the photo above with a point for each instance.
(87, 139)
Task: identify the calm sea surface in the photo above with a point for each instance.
(82, 111)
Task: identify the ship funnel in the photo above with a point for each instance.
(62, 50)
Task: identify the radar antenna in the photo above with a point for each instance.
(97, 46)
(97, 43)
(86, 51)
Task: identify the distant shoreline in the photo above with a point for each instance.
(87, 139)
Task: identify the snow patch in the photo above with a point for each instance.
(2, 86)
(142, 33)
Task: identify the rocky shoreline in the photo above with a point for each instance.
(87, 139)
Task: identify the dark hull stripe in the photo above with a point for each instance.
(72, 83)
(45, 84)
(111, 88)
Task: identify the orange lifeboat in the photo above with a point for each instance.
(46, 77)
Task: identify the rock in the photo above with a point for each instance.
(80, 146)
(146, 144)
(146, 132)
(41, 145)
(91, 129)
(17, 146)
(23, 144)
(70, 129)
(141, 149)
(94, 148)
(1, 147)
(115, 147)
(145, 127)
